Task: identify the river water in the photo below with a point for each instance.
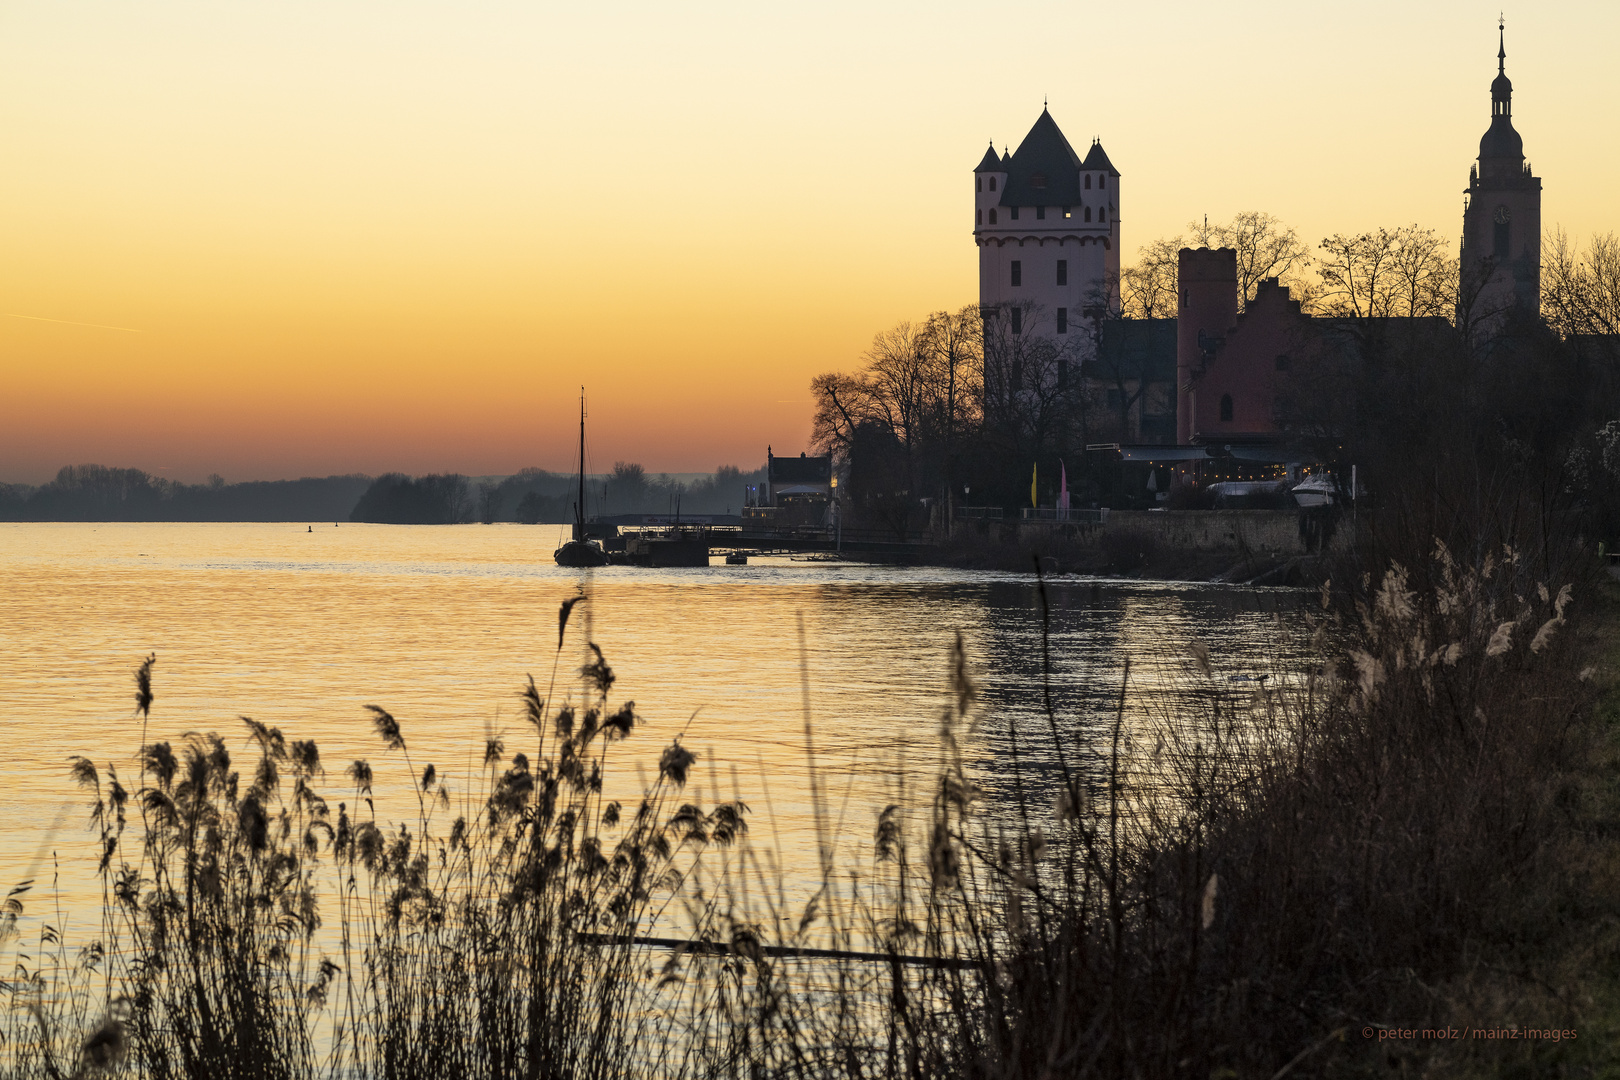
(302, 626)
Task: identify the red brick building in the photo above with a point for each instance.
(1227, 364)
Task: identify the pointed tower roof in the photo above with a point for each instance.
(989, 163)
(1044, 170)
(1097, 160)
(1501, 86)
(1501, 145)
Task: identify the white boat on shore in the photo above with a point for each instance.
(1318, 490)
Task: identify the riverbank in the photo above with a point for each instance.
(1413, 832)
(1255, 547)
(1539, 994)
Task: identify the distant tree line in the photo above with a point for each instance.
(630, 490)
(536, 496)
(101, 493)
(531, 496)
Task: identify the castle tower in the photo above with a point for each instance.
(1501, 241)
(1205, 313)
(1047, 227)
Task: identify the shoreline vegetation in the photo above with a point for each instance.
(1412, 833)
(529, 496)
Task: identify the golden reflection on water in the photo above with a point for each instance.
(439, 625)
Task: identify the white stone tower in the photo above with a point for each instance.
(1047, 227)
(1501, 242)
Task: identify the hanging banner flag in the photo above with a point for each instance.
(1034, 471)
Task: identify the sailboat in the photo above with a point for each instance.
(581, 550)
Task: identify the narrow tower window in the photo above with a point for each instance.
(1102, 180)
(1063, 320)
(1017, 279)
(1088, 213)
(1014, 213)
(978, 183)
(978, 217)
(992, 183)
(992, 217)
(1226, 407)
(1063, 271)
(1102, 213)
(1088, 181)
(1040, 213)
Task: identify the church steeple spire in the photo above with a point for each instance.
(1501, 246)
(1501, 86)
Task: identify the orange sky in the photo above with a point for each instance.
(333, 237)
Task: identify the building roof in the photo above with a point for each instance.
(1044, 170)
(1097, 160)
(989, 163)
(1137, 349)
(1501, 141)
(801, 469)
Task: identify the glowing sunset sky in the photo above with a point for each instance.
(342, 236)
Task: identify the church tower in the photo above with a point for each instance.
(1501, 242)
(1046, 223)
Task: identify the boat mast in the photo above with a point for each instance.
(579, 507)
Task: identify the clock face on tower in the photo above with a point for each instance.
(1503, 215)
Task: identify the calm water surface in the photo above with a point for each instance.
(440, 625)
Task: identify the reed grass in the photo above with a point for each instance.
(1232, 883)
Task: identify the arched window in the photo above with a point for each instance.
(1088, 213)
(978, 183)
(1102, 213)
(992, 183)
(992, 213)
(978, 217)
(1226, 407)
(1088, 181)
(1102, 180)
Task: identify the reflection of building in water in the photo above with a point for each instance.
(797, 491)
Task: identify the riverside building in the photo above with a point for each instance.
(1046, 223)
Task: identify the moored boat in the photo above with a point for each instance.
(581, 550)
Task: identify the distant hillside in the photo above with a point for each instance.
(100, 493)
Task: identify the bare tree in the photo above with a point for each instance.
(1265, 247)
(1580, 291)
(953, 345)
(1031, 383)
(920, 383)
(1148, 287)
(1400, 273)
